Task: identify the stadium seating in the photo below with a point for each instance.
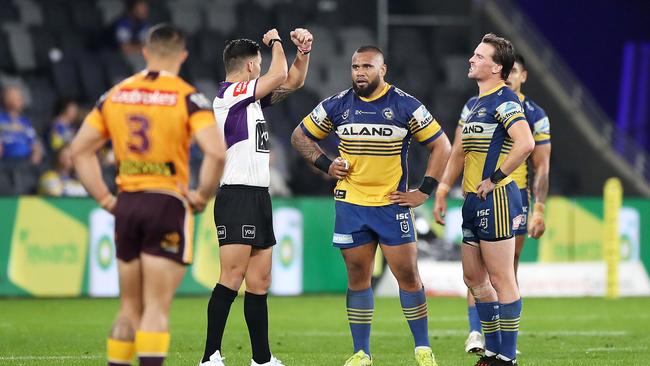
(59, 48)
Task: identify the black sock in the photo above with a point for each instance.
(218, 309)
(257, 319)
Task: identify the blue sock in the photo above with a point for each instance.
(509, 320)
(414, 306)
(361, 306)
(474, 320)
(488, 312)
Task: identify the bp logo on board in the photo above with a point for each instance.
(286, 251)
(105, 252)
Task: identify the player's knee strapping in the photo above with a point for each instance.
(480, 292)
(151, 346)
(119, 352)
(414, 306)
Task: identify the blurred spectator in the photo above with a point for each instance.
(64, 124)
(61, 181)
(129, 31)
(20, 150)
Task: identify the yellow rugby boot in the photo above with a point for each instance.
(424, 356)
(359, 359)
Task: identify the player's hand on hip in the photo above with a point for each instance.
(537, 227)
(196, 200)
(412, 198)
(108, 203)
(485, 188)
(339, 169)
(269, 35)
(302, 38)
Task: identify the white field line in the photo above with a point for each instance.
(36, 358)
(617, 349)
(462, 332)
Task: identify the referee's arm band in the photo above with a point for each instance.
(323, 163)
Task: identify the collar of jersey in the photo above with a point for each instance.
(521, 97)
(500, 85)
(383, 92)
(160, 72)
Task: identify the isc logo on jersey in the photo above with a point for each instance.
(509, 109)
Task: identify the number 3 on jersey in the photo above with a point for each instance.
(138, 134)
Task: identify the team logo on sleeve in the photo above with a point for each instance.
(387, 113)
(509, 109)
(318, 115)
(423, 116)
(543, 126)
(261, 136)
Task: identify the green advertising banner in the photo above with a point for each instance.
(64, 246)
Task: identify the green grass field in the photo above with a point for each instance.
(312, 330)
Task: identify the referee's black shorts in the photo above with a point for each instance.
(243, 215)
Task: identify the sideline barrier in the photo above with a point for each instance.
(64, 247)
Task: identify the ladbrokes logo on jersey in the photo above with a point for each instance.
(144, 96)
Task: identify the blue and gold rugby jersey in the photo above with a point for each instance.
(539, 126)
(375, 135)
(485, 121)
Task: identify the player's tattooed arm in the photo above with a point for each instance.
(307, 147)
(280, 94)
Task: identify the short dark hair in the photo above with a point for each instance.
(370, 48)
(504, 53)
(62, 104)
(520, 60)
(236, 51)
(165, 39)
(130, 4)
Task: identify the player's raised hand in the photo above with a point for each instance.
(269, 35)
(485, 188)
(302, 38)
(196, 200)
(412, 198)
(339, 169)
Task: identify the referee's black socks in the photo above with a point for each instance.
(257, 319)
(218, 309)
